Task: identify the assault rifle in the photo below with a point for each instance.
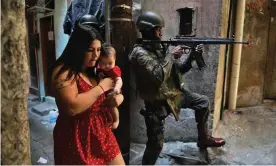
(189, 44)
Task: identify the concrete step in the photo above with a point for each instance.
(175, 153)
(44, 108)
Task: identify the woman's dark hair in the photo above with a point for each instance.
(107, 49)
(72, 58)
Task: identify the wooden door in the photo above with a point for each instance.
(48, 47)
(33, 45)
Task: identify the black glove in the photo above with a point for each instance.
(197, 56)
(199, 48)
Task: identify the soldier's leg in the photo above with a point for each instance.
(155, 134)
(200, 104)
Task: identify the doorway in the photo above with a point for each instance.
(33, 46)
(47, 47)
(270, 72)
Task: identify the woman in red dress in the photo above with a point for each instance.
(81, 136)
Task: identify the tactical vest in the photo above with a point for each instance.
(170, 88)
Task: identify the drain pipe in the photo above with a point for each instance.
(107, 18)
(235, 72)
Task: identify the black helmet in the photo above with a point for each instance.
(92, 21)
(89, 20)
(148, 20)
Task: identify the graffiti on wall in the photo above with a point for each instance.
(252, 41)
(255, 19)
(256, 4)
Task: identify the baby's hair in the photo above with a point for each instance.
(107, 49)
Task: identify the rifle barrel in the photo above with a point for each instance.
(195, 41)
(236, 42)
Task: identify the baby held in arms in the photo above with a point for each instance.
(107, 68)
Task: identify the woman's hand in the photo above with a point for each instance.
(107, 84)
(113, 100)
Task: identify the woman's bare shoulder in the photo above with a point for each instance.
(62, 80)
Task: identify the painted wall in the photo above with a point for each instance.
(61, 39)
(203, 82)
(253, 60)
(40, 3)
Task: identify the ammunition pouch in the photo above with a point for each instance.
(157, 108)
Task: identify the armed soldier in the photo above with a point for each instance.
(159, 84)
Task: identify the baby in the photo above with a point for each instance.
(107, 68)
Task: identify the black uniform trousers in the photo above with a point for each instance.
(155, 115)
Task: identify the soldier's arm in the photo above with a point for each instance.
(158, 70)
(184, 66)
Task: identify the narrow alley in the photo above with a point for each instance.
(228, 48)
(42, 123)
(249, 135)
(249, 139)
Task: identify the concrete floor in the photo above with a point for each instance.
(251, 140)
(250, 134)
(41, 131)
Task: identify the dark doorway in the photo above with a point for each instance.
(33, 45)
(48, 47)
(270, 75)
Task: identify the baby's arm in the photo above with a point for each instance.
(115, 117)
(115, 114)
(118, 84)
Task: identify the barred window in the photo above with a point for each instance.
(187, 21)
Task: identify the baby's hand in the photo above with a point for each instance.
(114, 92)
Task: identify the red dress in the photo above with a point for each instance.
(113, 73)
(84, 139)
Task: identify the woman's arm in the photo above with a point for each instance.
(70, 99)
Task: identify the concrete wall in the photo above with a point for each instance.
(203, 82)
(61, 39)
(40, 3)
(253, 62)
